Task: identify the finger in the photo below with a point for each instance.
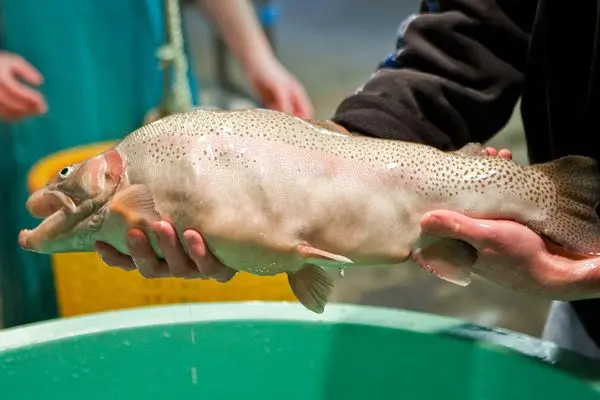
(566, 279)
(14, 107)
(178, 261)
(505, 153)
(282, 100)
(18, 92)
(557, 250)
(10, 113)
(302, 106)
(492, 151)
(586, 270)
(205, 262)
(113, 258)
(143, 256)
(26, 71)
(477, 233)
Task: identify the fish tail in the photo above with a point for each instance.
(574, 223)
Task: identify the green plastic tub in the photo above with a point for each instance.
(281, 351)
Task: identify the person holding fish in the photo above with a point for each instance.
(455, 77)
(80, 72)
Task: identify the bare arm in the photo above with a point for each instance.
(276, 87)
(237, 22)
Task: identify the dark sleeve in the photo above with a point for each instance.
(455, 77)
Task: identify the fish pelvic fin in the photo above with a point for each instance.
(574, 223)
(312, 286)
(321, 257)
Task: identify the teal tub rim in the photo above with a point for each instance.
(570, 362)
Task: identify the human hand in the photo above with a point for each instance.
(514, 256)
(17, 100)
(511, 255)
(278, 89)
(200, 264)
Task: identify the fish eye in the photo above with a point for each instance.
(65, 172)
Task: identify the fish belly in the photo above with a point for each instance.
(256, 201)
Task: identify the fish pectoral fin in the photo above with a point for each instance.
(322, 257)
(312, 287)
(448, 259)
(135, 204)
(473, 149)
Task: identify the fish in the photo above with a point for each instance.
(273, 193)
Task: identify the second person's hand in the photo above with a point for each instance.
(278, 89)
(17, 100)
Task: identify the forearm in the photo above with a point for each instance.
(455, 78)
(238, 25)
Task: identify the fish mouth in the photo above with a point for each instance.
(60, 214)
(45, 203)
(49, 229)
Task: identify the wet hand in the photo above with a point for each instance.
(199, 264)
(278, 89)
(17, 100)
(513, 256)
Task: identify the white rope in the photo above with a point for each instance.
(178, 96)
(182, 95)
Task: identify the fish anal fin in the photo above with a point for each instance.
(135, 204)
(312, 286)
(448, 259)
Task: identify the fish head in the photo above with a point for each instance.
(72, 205)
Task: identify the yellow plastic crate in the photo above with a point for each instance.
(84, 284)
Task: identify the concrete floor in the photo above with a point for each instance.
(332, 50)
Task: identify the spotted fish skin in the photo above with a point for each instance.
(273, 193)
(268, 178)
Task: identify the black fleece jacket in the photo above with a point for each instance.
(460, 67)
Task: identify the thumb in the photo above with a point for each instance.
(453, 225)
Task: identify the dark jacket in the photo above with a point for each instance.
(460, 67)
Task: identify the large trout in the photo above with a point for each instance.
(272, 193)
